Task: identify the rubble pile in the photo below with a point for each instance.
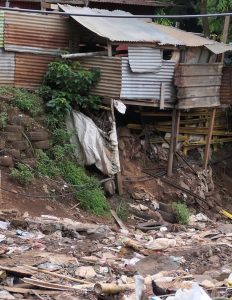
(52, 258)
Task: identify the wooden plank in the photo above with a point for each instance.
(162, 95)
(19, 290)
(202, 102)
(199, 70)
(198, 81)
(208, 140)
(171, 146)
(195, 92)
(118, 220)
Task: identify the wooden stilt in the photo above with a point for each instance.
(177, 127)
(172, 145)
(118, 179)
(208, 139)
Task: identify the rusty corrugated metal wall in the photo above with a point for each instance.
(226, 86)
(30, 69)
(33, 33)
(110, 82)
(1, 28)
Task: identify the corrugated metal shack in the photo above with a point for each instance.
(28, 42)
(143, 73)
(157, 66)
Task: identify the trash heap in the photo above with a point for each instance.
(51, 258)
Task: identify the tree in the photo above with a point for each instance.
(205, 21)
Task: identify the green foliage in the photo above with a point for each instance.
(27, 101)
(91, 196)
(163, 21)
(3, 119)
(66, 84)
(122, 211)
(182, 212)
(22, 174)
(46, 166)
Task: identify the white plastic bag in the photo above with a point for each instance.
(195, 293)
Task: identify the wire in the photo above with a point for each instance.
(215, 15)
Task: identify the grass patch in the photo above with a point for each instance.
(122, 211)
(89, 193)
(22, 174)
(46, 166)
(26, 101)
(182, 212)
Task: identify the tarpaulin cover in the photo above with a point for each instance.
(93, 145)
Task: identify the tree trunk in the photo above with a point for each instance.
(205, 21)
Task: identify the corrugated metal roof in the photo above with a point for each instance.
(119, 29)
(186, 38)
(39, 32)
(147, 85)
(30, 69)
(7, 67)
(1, 28)
(145, 59)
(137, 30)
(135, 2)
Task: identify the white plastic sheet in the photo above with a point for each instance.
(195, 293)
(93, 145)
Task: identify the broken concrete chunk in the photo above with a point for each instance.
(85, 272)
(6, 295)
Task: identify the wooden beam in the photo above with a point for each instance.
(225, 29)
(209, 137)
(109, 49)
(172, 145)
(162, 95)
(86, 54)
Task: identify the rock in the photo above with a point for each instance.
(42, 144)
(6, 295)
(184, 185)
(214, 259)
(14, 128)
(161, 244)
(85, 272)
(6, 161)
(225, 228)
(15, 153)
(208, 284)
(13, 136)
(20, 145)
(40, 135)
(109, 188)
(100, 232)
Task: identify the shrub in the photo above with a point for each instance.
(22, 174)
(46, 166)
(3, 119)
(182, 212)
(67, 84)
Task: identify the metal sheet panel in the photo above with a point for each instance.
(30, 69)
(119, 29)
(7, 67)
(147, 85)
(1, 28)
(109, 85)
(39, 32)
(145, 59)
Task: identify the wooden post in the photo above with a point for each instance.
(208, 139)
(162, 95)
(118, 180)
(177, 128)
(172, 144)
(225, 29)
(109, 49)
